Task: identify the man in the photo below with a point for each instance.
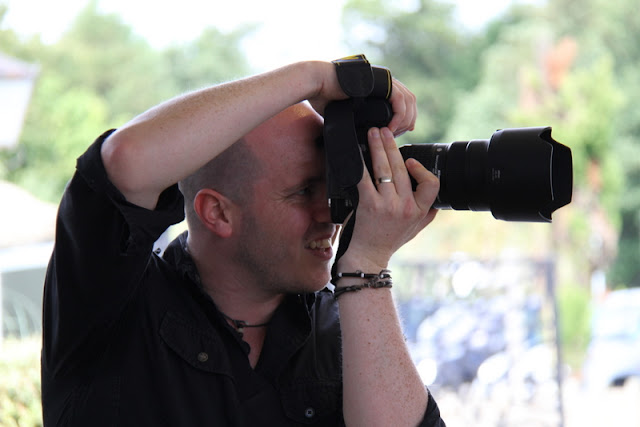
(232, 326)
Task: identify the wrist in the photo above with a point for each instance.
(303, 77)
(325, 84)
(368, 281)
(351, 262)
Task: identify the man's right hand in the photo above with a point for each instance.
(403, 101)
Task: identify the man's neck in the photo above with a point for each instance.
(238, 297)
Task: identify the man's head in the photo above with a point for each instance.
(277, 223)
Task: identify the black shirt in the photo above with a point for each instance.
(131, 339)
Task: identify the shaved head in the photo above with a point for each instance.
(234, 172)
(231, 173)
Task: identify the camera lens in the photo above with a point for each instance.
(519, 174)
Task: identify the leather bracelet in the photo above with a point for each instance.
(376, 281)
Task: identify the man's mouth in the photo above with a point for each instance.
(319, 244)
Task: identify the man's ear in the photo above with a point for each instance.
(215, 212)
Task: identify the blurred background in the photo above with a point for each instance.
(511, 324)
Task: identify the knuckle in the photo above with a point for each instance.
(409, 210)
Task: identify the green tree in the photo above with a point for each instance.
(502, 82)
(61, 123)
(424, 49)
(20, 386)
(504, 68)
(97, 76)
(211, 58)
(534, 75)
(612, 28)
(103, 54)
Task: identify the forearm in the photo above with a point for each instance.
(381, 384)
(171, 141)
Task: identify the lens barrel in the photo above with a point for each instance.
(520, 174)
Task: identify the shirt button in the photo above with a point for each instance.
(203, 357)
(309, 412)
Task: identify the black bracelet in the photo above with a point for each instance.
(384, 274)
(380, 280)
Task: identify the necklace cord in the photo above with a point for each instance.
(239, 325)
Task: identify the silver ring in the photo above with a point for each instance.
(385, 179)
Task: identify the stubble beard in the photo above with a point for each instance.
(256, 252)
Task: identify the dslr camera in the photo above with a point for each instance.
(519, 174)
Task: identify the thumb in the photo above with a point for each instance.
(428, 184)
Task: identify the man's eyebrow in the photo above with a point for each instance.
(319, 179)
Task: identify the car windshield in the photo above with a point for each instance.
(618, 322)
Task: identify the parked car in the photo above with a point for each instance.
(458, 337)
(613, 355)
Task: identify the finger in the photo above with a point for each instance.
(399, 173)
(366, 184)
(399, 107)
(410, 114)
(380, 163)
(428, 184)
(403, 103)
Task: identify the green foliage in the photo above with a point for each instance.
(101, 53)
(61, 123)
(20, 385)
(506, 66)
(611, 28)
(625, 270)
(566, 64)
(583, 115)
(212, 58)
(423, 49)
(574, 317)
(98, 76)
(589, 110)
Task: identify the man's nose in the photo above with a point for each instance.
(321, 210)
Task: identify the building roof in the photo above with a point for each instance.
(14, 68)
(24, 219)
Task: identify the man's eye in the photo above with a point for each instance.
(310, 190)
(304, 192)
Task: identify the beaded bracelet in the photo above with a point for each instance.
(384, 274)
(380, 280)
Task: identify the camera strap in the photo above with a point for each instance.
(344, 160)
(354, 75)
(344, 166)
(358, 79)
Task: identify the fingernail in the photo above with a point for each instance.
(387, 132)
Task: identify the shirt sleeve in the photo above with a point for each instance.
(432, 415)
(103, 245)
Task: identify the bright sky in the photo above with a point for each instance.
(316, 24)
